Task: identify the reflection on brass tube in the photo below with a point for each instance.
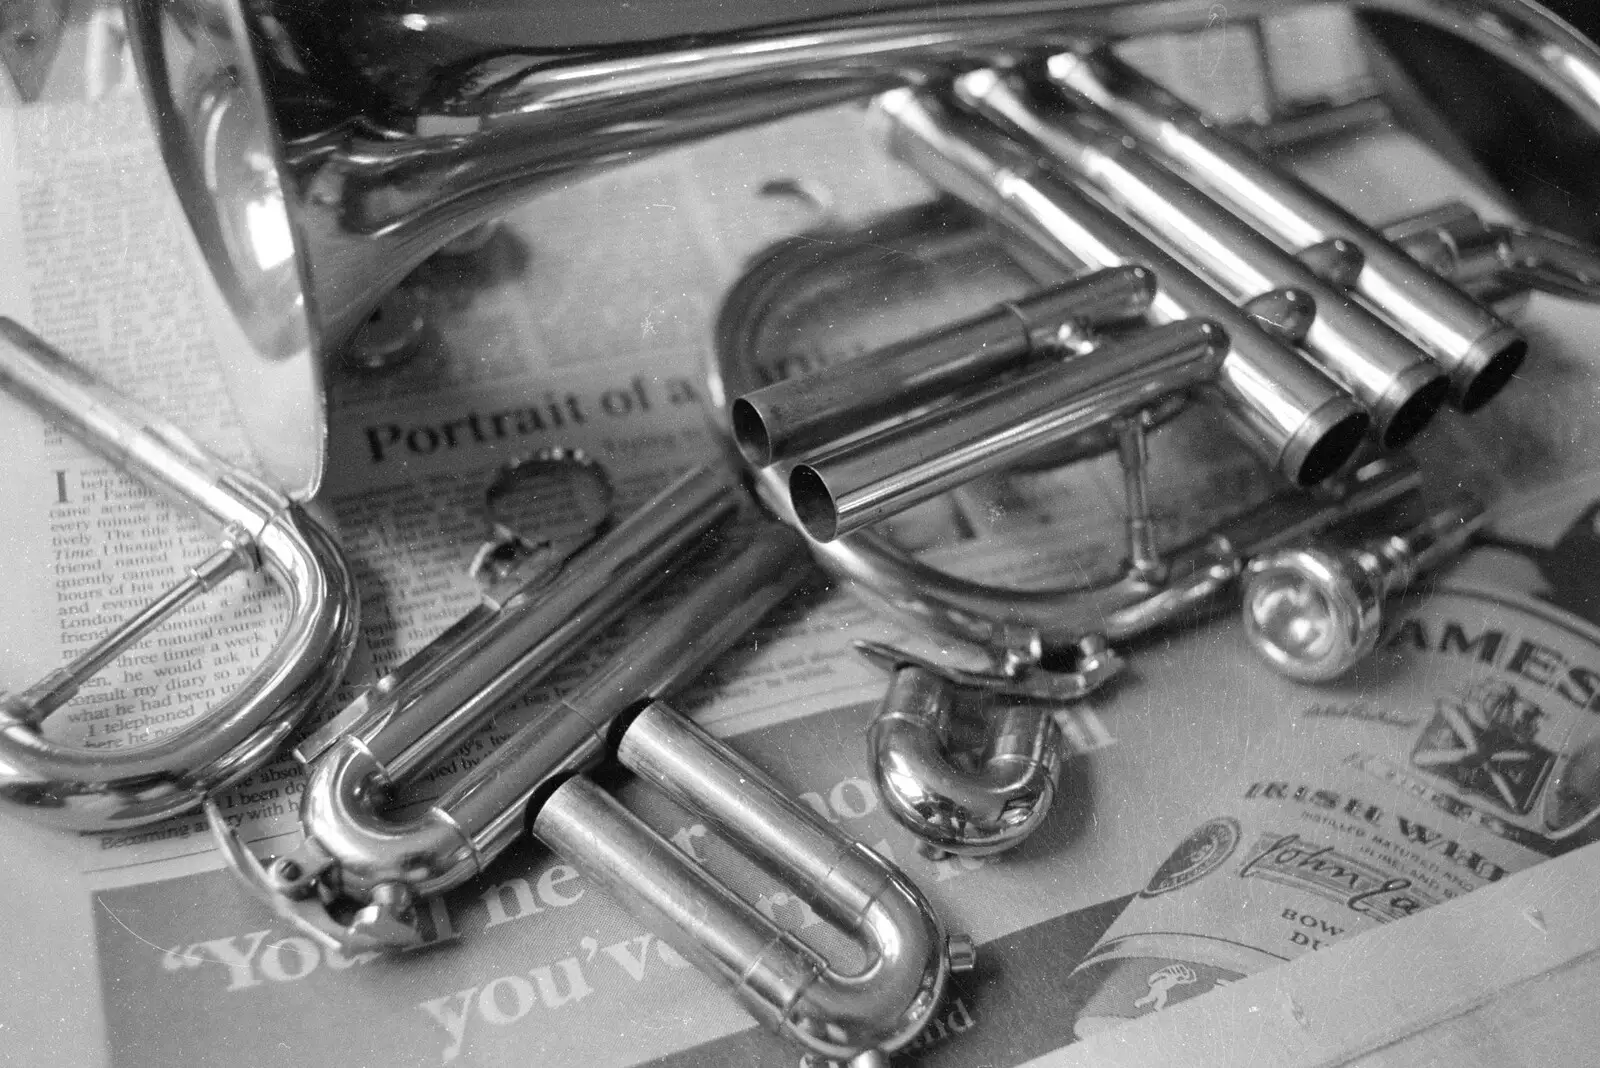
(877, 476)
(499, 650)
(1479, 351)
(741, 586)
(942, 799)
(799, 414)
(1392, 378)
(860, 1013)
(1297, 419)
(355, 848)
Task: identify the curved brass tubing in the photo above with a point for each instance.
(401, 724)
(838, 1014)
(958, 784)
(535, 782)
(991, 801)
(262, 529)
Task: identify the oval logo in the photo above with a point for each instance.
(1203, 852)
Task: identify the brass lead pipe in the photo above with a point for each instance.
(1392, 379)
(799, 414)
(1296, 418)
(1479, 351)
(876, 476)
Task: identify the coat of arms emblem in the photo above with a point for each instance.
(1485, 742)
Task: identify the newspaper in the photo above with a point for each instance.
(545, 337)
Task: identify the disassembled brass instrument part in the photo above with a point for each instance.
(1391, 378)
(354, 859)
(400, 725)
(261, 530)
(923, 761)
(1002, 788)
(1296, 418)
(321, 156)
(1313, 613)
(1478, 350)
(885, 472)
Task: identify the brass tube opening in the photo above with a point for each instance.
(1392, 379)
(1294, 416)
(1479, 351)
(798, 415)
(882, 474)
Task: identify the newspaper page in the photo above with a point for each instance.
(147, 951)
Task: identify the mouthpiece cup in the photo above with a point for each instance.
(1310, 614)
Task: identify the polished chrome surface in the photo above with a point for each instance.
(951, 807)
(1313, 612)
(389, 131)
(1478, 350)
(868, 1011)
(963, 783)
(834, 492)
(969, 761)
(794, 415)
(1027, 146)
(261, 529)
(355, 862)
(404, 722)
(1391, 378)
(959, 782)
(997, 621)
(1298, 420)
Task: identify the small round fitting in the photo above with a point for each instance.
(963, 953)
(1310, 613)
(391, 335)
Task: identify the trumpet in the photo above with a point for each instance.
(321, 157)
(320, 160)
(967, 759)
(261, 530)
